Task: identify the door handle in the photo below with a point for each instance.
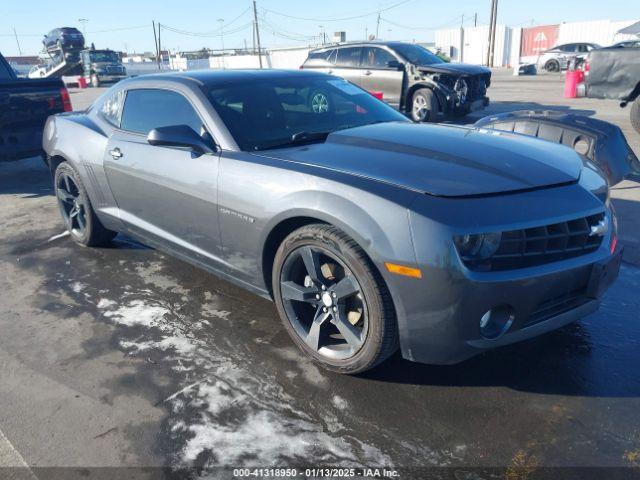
(116, 153)
(368, 72)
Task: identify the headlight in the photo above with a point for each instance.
(478, 246)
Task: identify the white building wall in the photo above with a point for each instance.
(602, 32)
(237, 61)
(288, 58)
(516, 42)
(448, 41)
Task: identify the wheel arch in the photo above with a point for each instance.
(275, 238)
(408, 102)
(53, 162)
(352, 220)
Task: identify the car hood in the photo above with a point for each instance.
(455, 69)
(448, 161)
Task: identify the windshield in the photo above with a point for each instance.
(286, 111)
(104, 57)
(416, 54)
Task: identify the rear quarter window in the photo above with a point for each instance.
(111, 108)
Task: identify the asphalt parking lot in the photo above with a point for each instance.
(124, 356)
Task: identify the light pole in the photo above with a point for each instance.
(84, 21)
(322, 34)
(221, 22)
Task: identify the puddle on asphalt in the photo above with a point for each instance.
(243, 395)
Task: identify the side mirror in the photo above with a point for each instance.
(395, 64)
(179, 136)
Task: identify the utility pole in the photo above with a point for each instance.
(378, 26)
(462, 39)
(159, 48)
(493, 32)
(491, 26)
(17, 41)
(255, 17)
(475, 20)
(155, 41)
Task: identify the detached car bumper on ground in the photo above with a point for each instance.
(368, 231)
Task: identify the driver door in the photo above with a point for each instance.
(165, 194)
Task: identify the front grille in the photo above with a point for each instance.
(115, 70)
(557, 306)
(530, 247)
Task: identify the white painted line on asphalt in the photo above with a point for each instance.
(60, 235)
(11, 458)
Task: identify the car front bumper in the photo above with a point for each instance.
(439, 314)
(105, 77)
(540, 303)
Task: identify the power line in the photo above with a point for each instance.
(215, 32)
(408, 27)
(362, 15)
(211, 34)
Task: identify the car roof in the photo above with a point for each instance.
(373, 43)
(213, 78)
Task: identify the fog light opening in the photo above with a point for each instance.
(496, 322)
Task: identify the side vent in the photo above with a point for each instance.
(95, 186)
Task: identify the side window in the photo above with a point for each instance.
(323, 55)
(111, 108)
(582, 48)
(377, 57)
(349, 57)
(146, 109)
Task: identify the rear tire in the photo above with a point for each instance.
(74, 204)
(375, 323)
(635, 114)
(424, 105)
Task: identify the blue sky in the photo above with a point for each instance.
(193, 24)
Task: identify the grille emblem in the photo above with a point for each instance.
(600, 228)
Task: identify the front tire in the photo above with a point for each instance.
(332, 301)
(77, 213)
(424, 105)
(635, 114)
(552, 66)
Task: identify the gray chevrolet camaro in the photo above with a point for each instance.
(368, 231)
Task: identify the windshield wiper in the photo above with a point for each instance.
(297, 138)
(309, 136)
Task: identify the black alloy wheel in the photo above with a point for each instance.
(333, 301)
(72, 204)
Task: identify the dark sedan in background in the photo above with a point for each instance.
(408, 76)
(369, 231)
